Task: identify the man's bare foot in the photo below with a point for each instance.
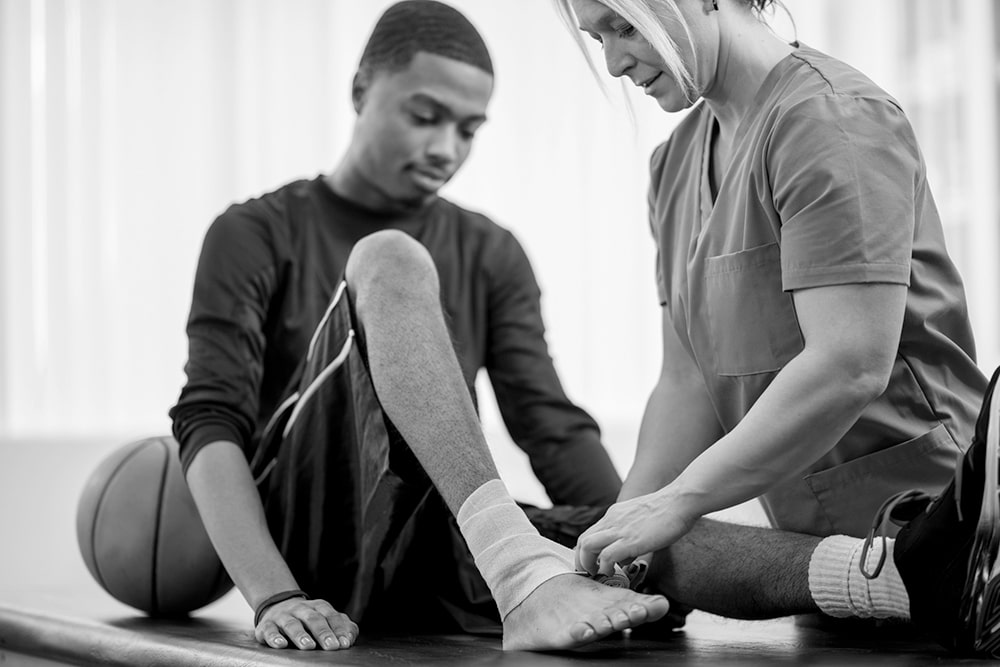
(570, 610)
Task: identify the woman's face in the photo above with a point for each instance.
(628, 54)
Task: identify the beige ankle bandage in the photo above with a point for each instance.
(510, 554)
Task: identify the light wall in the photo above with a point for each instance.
(127, 125)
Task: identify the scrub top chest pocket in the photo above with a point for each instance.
(751, 321)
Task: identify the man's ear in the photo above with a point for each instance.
(359, 88)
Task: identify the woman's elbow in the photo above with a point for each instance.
(866, 376)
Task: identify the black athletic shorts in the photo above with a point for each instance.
(354, 514)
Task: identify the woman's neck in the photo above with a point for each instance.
(748, 51)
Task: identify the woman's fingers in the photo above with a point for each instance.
(589, 547)
(629, 529)
(613, 554)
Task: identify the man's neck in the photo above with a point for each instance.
(348, 184)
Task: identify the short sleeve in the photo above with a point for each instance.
(844, 173)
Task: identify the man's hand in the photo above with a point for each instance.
(307, 624)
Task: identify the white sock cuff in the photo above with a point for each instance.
(828, 575)
(839, 588)
(510, 554)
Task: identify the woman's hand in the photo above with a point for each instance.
(306, 624)
(630, 529)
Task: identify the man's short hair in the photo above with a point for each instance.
(422, 25)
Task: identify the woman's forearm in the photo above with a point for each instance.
(801, 416)
(678, 424)
(851, 335)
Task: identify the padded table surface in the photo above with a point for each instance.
(86, 627)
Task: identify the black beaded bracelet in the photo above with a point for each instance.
(275, 599)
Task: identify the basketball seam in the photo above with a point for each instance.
(97, 515)
(155, 599)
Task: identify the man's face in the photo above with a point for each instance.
(415, 126)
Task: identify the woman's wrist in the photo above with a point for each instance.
(683, 501)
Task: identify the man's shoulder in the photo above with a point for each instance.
(469, 217)
(273, 203)
(473, 225)
(265, 214)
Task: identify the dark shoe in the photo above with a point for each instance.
(946, 551)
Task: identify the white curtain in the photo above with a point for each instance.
(127, 125)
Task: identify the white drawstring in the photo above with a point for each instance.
(320, 379)
(326, 316)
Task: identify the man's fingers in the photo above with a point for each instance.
(345, 631)
(306, 624)
(267, 633)
(296, 633)
(349, 635)
(319, 627)
(344, 628)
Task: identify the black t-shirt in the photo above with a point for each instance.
(267, 272)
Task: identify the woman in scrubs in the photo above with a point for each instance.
(817, 352)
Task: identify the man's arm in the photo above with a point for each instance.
(562, 441)
(231, 510)
(213, 421)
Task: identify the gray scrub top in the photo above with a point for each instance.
(827, 186)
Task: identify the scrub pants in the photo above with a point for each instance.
(355, 515)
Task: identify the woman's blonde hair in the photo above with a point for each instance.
(650, 17)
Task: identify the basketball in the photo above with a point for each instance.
(140, 533)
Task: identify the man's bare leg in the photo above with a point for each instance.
(419, 383)
(737, 571)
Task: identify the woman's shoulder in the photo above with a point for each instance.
(818, 102)
(812, 74)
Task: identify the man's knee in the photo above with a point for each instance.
(392, 261)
